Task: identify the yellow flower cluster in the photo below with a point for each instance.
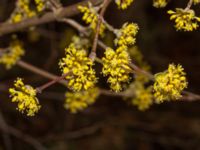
(196, 2)
(126, 35)
(116, 66)
(185, 19)
(80, 100)
(159, 3)
(40, 5)
(78, 68)
(12, 54)
(25, 96)
(22, 11)
(143, 98)
(123, 4)
(169, 84)
(90, 16)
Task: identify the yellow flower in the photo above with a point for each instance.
(90, 16)
(12, 54)
(25, 96)
(143, 98)
(196, 2)
(22, 11)
(169, 84)
(159, 3)
(81, 42)
(17, 18)
(116, 66)
(185, 19)
(80, 100)
(123, 4)
(23, 6)
(126, 35)
(78, 68)
(40, 5)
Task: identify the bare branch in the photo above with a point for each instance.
(68, 11)
(39, 71)
(189, 5)
(18, 134)
(100, 18)
(48, 84)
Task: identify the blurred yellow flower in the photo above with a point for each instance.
(40, 5)
(143, 98)
(196, 2)
(11, 55)
(126, 35)
(80, 100)
(159, 3)
(123, 4)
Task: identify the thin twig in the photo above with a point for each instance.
(55, 3)
(110, 93)
(48, 84)
(98, 60)
(110, 27)
(189, 96)
(189, 5)
(100, 17)
(75, 25)
(141, 71)
(81, 29)
(39, 71)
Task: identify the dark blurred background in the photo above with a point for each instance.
(110, 123)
